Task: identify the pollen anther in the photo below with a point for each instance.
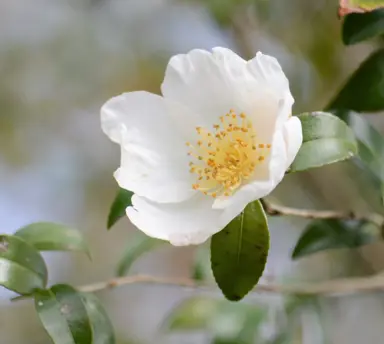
(227, 156)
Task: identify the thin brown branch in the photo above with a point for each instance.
(330, 288)
(279, 210)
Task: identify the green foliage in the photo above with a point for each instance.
(294, 306)
(135, 249)
(326, 139)
(22, 269)
(371, 145)
(72, 317)
(328, 234)
(192, 314)
(358, 27)
(121, 202)
(201, 269)
(63, 314)
(227, 322)
(239, 252)
(47, 236)
(102, 329)
(363, 92)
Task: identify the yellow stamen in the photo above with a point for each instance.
(226, 157)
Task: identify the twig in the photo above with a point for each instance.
(141, 279)
(279, 210)
(329, 288)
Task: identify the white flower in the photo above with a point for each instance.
(221, 136)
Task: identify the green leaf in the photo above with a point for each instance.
(239, 252)
(201, 269)
(63, 314)
(363, 92)
(47, 236)
(22, 269)
(102, 329)
(119, 205)
(326, 139)
(192, 314)
(371, 143)
(371, 147)
(329, 234)
(237, 323)
(358, 27)
(224, 320)
(141, 245)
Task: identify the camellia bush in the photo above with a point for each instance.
(196, 165)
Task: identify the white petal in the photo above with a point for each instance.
(187, 223)
(268, 72)
(213, 83)
(293, 136)
(204, 81)
(259, 188)
(152, 133)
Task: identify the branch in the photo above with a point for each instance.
(330, 288)
(279, 210)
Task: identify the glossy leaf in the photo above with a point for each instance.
(119, 205)
(22, 269)
(329, 234)
(326, 139)
(239, 252)
(363, 92)
(102, 329)
(47, 236)
(63, 314)
(358, 27)
(138, 247)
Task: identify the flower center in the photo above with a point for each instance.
(226, 156)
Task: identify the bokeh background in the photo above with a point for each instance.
(60, 60)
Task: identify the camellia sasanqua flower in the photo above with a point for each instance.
(220, 136)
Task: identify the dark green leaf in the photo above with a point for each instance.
(63, 314)
(102, 328)
(22, 269)
(328, 234)
(363, 92)
(119, 205)
(358, 27)
(239, 252)
(47, 236)
(326, 139)
(141, 245)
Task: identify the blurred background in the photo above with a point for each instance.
(60, 60)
